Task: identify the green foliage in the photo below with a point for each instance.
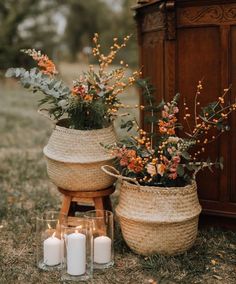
(55, 90)
(21, 26)
(93, 101)
(85, 115)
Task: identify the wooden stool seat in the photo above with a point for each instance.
(100, 200)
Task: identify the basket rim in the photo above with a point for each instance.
(157, 222)
(76, 131)
(162, 190)
(54, 158)
(79, 155)
(178, 192)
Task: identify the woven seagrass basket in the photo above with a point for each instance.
(157, 219)
(74, 158)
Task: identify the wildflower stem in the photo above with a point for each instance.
(187, 119)
(152, 113)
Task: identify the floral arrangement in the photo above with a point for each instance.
(92, 102)
(168, 158)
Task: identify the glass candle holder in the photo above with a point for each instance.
(78, 253)
(103, 237)
(49, 244)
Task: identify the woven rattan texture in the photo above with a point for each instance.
(79, 146)
(168, 239)
(78, 177)
(157, 219)
(74, 158)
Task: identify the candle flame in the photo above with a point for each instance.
(77, 227)
(49, 227)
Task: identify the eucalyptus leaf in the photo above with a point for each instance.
(185, 155)
(180, 170)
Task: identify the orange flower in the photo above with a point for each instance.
(88, 98)
(75, 90)
(44, 62)
(161, 169)
(167, 127)
(136, 165)
(80, 91)
(47, 64)
(131, 154)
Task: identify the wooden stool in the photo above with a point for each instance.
(100, 199)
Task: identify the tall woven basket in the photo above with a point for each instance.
(74, 158)
(158, 220)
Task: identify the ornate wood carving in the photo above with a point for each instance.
(170, 20)
(214, 14)
(153, 21)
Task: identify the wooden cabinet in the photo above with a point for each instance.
(181, 42)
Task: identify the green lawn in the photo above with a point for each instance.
(25, 191)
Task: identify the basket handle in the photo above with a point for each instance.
(42, 112)
(115, 173)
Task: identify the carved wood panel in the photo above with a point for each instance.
(153, 21)
(212, 14)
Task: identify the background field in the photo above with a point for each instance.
(25, 191)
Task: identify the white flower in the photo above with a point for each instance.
(151, 169)
(173, 139)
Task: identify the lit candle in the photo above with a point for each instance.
(102, 250)
(52, 251)
(76, 254)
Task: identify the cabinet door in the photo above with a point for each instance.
(205, 48)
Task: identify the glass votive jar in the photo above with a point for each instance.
(49, 244)
(78, 253)
(103, 237)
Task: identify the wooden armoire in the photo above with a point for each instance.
(181, 42)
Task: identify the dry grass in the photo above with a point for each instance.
(26, 191)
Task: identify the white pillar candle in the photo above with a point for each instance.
(76, 254)
(62, 249)
(102, 250)
(52, 251)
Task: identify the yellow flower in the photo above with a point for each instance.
(161, 169)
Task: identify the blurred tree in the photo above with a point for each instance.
(127, 26)
(84, 18)
(24, 24)
(33, 24)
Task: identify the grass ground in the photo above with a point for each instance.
(25, 191)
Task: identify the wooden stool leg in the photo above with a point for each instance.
(65, 207)
(98, 203)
